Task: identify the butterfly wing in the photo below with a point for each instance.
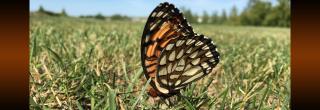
(164, 24)
(185, 60)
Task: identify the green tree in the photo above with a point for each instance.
(283, 9)
(234, 18)
(119, 17)
(214, 17)
(223, 17)
(195, 18)
(279, 14)
(272, 18)
(255, 13)
(189, 16)
(99, 16)
(63, 13)
(205, 17)
(41, 9)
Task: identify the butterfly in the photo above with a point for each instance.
(172, 54)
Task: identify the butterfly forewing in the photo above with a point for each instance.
(164, 24)
(185, 60)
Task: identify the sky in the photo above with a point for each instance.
(135, 8)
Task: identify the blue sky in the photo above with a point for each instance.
(137, 8)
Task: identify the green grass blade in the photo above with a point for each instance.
(141, 94)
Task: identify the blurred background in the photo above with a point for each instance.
(275, 13)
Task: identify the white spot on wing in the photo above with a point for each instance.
(187, 67)
(211, 60)
(206, 47)
(174, 66)
(204, 65)
(153, 14)
(181, 64)
(208, 54)
(189, 50)
(190, 41)
(159, 14)
(179, 68)
(174, 76)
(164, 15)
(177, 83)
(161, 89)
(194, 54)
(192, 71)
(208, 70)
(147, 38)
(172, 56)
(180, 42)
(177, 88)
(195, 61)
(163, 60)
(180, 53)
(193, 78)
(153, 26)
(164, 81)
(199, 43)
(169, 68)
(170, 84)
(162, 71)
(169, 46)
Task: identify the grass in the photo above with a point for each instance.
(83, 64)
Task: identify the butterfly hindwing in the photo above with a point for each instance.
(185, 60)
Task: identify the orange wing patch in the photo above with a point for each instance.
(163, 29)
(152, 50)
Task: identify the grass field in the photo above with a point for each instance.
(83, 64)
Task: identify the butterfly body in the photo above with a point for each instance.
(172, 55)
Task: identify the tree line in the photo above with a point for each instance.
(98, 16)
(256, 13)
(101, 17)
(43, 11)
